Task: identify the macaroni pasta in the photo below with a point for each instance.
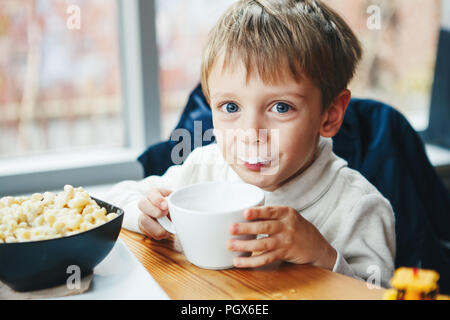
(47, 216)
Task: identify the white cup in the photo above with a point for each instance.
(201, 217)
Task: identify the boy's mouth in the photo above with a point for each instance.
(255, 164)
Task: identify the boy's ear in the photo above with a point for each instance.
(334, 116)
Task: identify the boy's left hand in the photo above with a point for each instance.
(290, 238)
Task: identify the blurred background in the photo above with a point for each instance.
(62, 89)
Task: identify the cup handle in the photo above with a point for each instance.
(167, 224)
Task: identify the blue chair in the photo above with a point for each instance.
(377, 141)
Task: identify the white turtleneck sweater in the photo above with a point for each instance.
(347, 210)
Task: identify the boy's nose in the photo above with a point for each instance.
(253, 129)
(253, 135)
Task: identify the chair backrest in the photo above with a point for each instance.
(377, 141)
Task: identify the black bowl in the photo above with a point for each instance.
(26, 266)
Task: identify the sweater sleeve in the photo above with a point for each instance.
(127, 194)
(365, 243)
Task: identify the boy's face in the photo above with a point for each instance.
(268, 133)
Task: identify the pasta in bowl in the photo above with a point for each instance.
(43, 236)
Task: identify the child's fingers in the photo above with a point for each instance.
(256, 227)
(152, 228)
(165, 192)
(265, 213)
(258, 260)
(157, 198)
(264, 244)
(150, 209)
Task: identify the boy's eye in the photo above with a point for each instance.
(281, 107)
(230, 107)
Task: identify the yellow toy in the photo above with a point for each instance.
(414, 284)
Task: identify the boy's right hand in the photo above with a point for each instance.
(154, 206)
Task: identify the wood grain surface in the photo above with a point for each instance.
(180, 279)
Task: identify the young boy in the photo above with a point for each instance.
(278, 71)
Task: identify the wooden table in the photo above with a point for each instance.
(182, 280)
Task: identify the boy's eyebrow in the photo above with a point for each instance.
(232, 95)
(223, 94)
(281, 94)
(301, 96)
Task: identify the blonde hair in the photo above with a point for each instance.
(306, 36)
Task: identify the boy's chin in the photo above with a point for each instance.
(264, 179)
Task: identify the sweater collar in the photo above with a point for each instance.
(312, 184)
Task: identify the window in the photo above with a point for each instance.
(397, 68)
(60, 87)
(72, 100)
(182, 28)
(78, 105)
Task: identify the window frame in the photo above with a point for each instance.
(437, 147)
(439, 104)
(141, 113)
